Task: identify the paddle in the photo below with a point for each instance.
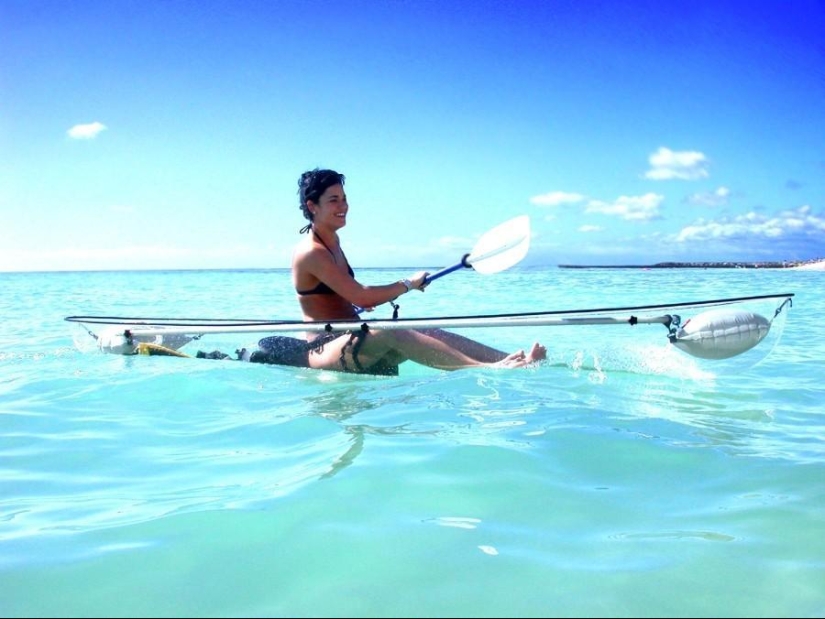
(497, 249)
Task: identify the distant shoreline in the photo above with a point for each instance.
(810, 265)
(817, 264)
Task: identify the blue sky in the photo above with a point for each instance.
(146, 134)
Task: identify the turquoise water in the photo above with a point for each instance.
(619, 478)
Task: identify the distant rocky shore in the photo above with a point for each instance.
(818, 264)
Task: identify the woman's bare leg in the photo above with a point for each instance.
(435, 350)
(471, 348)
(449, 351)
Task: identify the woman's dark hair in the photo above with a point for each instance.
(312, 185)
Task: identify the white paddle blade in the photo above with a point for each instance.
(502, 247)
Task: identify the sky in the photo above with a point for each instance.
(171, 135)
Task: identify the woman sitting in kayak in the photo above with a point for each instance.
(327, 290)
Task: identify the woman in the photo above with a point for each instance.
(327, 290)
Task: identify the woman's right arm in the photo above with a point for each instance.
(321, 266)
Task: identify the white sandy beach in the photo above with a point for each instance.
(811, 266)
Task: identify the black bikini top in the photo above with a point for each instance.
(322, 288)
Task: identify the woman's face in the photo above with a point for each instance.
(331, 209)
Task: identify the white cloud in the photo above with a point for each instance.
(717, 197)
(667, 164)
(555, 198)
(790, 222)
(588, 228)
(631, 208)
(86, 132)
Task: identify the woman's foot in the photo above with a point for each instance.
(537, 353)
(519, 358)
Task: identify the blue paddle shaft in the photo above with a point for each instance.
(461, 265)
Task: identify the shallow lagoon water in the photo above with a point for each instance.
(619, 478)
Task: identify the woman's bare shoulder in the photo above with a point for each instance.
(308, 255)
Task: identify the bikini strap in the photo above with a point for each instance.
(359, 339)
(320, 240)
(343, 255)
(353, 345)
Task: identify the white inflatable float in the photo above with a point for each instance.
(721, 333)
